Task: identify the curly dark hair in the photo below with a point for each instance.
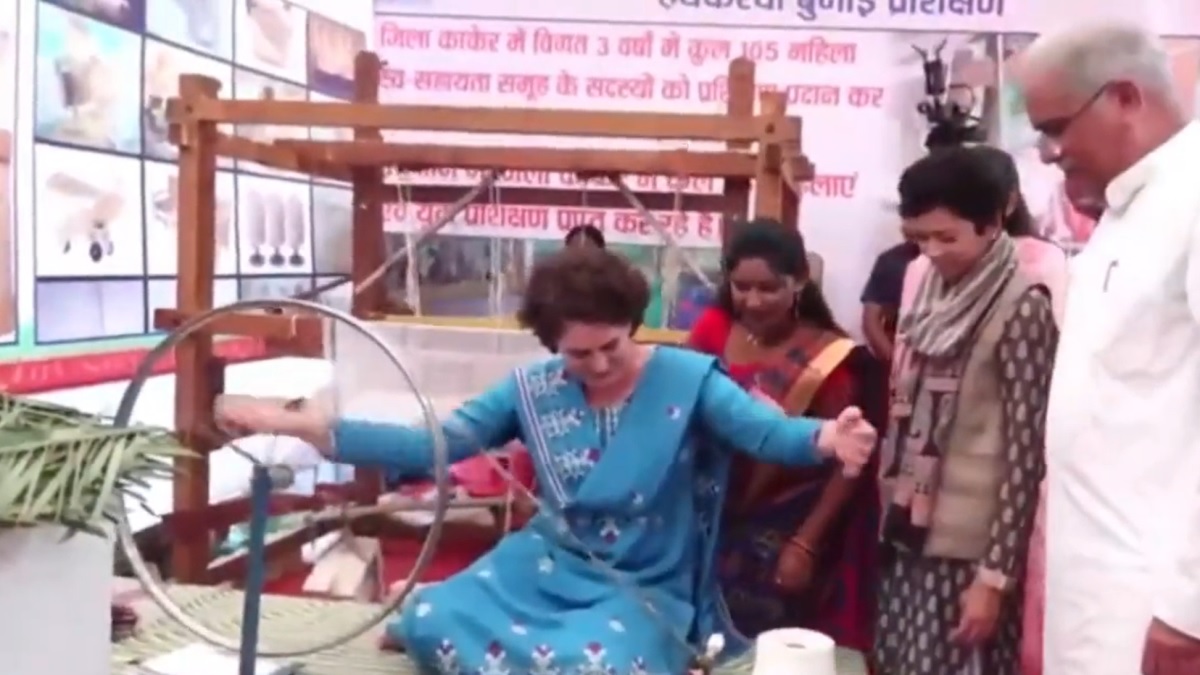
(584, 285)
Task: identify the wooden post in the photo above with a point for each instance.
(790, 212)
(368, 244)
(796, 170)
(196, 261)
(740, 104)
(769, 186)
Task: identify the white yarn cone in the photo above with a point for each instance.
(794, 651)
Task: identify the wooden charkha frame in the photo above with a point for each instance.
(762, 158)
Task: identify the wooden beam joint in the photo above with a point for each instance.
(284, 334)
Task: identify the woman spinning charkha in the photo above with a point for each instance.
(964, 446)
(631, 445)
(798, 544)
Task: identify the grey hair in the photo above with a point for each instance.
(1090, 56)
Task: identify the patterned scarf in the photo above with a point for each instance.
(943, 316)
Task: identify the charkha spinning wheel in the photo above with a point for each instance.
(266, 479)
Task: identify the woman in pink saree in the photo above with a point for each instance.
(1071, 215)
(1080, 206)
(1046, 263)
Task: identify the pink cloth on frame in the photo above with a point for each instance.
(1035, 594)
(1045, 263)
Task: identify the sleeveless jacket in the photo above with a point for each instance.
(972, 465)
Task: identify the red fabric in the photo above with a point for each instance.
(399, 556)
(710, 331)
(848, 614)
(480, 479)
(709, 335)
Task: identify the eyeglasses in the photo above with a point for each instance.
(1051, 130)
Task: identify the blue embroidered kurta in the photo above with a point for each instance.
(639, 486)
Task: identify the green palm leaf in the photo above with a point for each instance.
(61, 466)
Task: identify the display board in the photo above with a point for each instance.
(852, 71)
(103, 188)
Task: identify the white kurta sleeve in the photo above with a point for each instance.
(1179, 604)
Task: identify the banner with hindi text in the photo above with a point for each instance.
(1169, 17)
(857, 92)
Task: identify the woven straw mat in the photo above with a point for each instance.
(295, 622)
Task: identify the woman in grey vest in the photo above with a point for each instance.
(964, 445)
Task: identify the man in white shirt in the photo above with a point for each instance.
(1123, 428)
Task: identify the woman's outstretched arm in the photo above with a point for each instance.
(486, 421)
(757, 428)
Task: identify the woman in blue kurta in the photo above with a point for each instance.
(614, 575)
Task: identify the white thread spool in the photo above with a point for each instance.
(794, 651)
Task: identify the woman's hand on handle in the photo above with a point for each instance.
(245, 415)
(850, 439)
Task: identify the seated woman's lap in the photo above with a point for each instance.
(515, 606)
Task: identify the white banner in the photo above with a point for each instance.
(1169, 17)
(856, 92)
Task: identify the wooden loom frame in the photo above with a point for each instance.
(762, 150)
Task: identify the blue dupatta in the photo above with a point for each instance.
(662, 412)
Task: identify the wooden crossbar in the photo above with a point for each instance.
(507, 121)
(408, 156)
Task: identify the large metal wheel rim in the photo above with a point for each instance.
(441, 475)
